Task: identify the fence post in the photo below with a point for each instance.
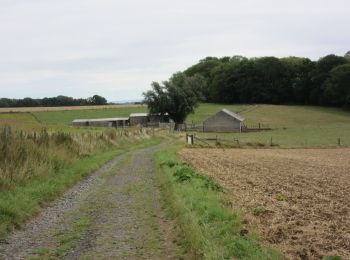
(271, 141)
(216, 141)
(6, 132)
(339, 142)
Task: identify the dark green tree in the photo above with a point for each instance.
(337, 86)
(97, 100)
(176, 97)
(320, 74)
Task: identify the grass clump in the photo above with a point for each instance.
(211, 228)
(258, 211)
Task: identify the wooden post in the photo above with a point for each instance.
(339, 142)
(271, 141)
(6, 132)
(216, 141)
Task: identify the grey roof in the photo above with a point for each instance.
(101, 119)
(138, 114)
(232, 114)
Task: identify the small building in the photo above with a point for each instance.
(102, 122)
(223, 121)
(138, 119)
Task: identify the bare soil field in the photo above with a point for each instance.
(298, 199)
(49, 109)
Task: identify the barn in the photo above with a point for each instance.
(103, 122)
(223, 121)
(138, 119)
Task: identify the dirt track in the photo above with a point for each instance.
(113, 214)
(299, 199)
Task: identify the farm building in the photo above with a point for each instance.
(138, 119)
(223, 121)
(134, 119)
(103, 122)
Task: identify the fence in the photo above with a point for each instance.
(244, 128)
(194, 139)
(234, 142)
(255, 127)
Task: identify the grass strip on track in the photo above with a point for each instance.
(212, 230)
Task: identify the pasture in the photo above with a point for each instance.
(24, 121)
(62, 108)
(292, 126)
(66, 117)
(296, 198)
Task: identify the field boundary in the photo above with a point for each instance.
(211, 228)
(63, 108)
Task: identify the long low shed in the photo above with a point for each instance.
(102, 122)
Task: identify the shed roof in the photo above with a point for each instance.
(232, 114)
(101, 119)
(138, 114)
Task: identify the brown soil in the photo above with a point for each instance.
(298, 199)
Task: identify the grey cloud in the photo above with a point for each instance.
(116, 48)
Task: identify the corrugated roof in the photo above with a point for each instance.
(232, 114)
(138, 114)
(101, 119)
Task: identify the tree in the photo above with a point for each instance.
(176, 97)
(97, 100)
(337, 86)
(320, 74)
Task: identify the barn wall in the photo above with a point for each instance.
(221, 122)
(100, 123)
(79, 123)
(138, 120)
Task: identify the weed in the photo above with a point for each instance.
(183, 173)
(281, 197)
(331, 258)
(258, 211)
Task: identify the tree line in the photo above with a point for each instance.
(237, 79)
(53, 101)
(291, 80)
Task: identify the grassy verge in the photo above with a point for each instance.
(211, 228)
(21, 202)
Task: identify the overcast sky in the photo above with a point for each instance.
(116, 48)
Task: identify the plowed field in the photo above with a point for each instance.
(298, 199)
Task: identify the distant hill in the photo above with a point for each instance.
(128, 101)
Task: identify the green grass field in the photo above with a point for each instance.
(66, 117)
(292, 126)
(22, 120)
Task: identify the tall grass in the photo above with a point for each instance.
(38, 166)
(27, 155)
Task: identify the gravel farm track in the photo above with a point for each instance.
(115, 213)
(298, 199)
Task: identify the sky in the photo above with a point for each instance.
(116, 48)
